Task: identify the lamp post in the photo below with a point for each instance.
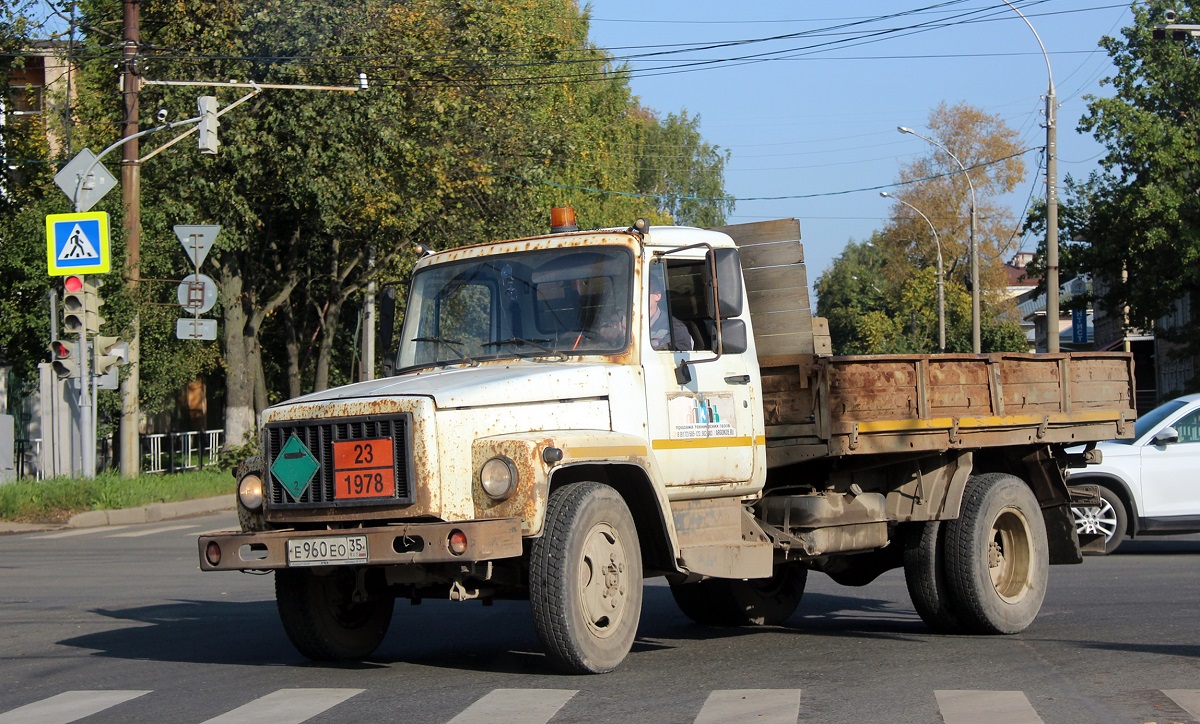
(1051, 195)
(974, 253)
(941, 292)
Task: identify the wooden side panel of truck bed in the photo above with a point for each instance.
(833, 406)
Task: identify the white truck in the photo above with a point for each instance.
(540, 436)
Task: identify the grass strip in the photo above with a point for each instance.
(55, 500)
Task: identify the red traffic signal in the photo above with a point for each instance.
(63, 360)
(73, 283)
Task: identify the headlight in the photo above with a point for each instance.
(498, 477)
(250, 492)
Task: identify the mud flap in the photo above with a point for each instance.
(1060, 535)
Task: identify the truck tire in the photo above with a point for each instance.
(323, 621)
(997, 559)
(925, 575)
(585, 579)
(752, 602)
(1109, 519)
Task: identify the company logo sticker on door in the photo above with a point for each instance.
(701, 416)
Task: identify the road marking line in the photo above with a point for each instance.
(71, 533)
(982, 707)
(152, 531)
(286, 706)
(68, 706)
(515, 706)
(768, 706)
(1187, 699)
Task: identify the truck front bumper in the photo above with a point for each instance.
(385, 545)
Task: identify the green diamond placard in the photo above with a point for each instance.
(295, 466)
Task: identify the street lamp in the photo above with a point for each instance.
(941, 292)
(1051, 195)
(974, 253)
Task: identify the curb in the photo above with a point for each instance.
(129, 516)
(152, 513)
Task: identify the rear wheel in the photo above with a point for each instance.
(585, 579)
(1109, 519)
(997, 559)
(925, 574)
(752, 602)
(331, 617)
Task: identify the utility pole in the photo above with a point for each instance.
(131, 200)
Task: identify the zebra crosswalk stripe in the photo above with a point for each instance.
(515, 706)
(1187, 699)
(286, 706)
(68, 706)
(766, 706)
(971, 706)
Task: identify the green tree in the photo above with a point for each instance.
(1135, 223)
(881, 296)
(478, 117)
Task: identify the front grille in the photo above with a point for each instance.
(319, 437)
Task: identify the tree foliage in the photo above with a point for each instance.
(478, 117)
(881, 296)
(1135, 223)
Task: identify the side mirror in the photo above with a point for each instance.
(733, 335)
(726, 266)
(1166, 436)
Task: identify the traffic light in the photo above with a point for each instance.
(207, 129)
(110, 352)
(81, 305)
(64, 359)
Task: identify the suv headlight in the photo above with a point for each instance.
(498, 477)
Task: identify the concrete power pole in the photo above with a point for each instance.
(131, 199)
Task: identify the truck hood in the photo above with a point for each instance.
(512, 382)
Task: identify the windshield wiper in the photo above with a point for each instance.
(453, 344)
(536, 343)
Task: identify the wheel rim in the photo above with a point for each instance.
(1010, 560)
(343, 609)
(603, 579)
(1096, 520)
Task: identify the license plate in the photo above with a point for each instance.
(329, 551)
(364, 469)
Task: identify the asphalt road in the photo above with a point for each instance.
(117, 624)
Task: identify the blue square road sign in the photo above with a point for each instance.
(77, 244)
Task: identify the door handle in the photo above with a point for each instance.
(738, 379)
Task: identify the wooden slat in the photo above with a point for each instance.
(773, 254)
(779, 300)
(773, 345)
(796, 321)
(775, 278)
(761, 232)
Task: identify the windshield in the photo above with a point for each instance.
(558, 302)
(1151, 419)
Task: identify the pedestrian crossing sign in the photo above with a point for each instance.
(77, 244)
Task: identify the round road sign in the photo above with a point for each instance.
(197, 293)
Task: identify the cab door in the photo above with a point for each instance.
(704, 422)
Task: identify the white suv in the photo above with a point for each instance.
(1149, 485)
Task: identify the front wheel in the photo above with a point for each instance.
(331, 617)
(1109, 519)
(997, 560)
(752, 602)
(585, 579)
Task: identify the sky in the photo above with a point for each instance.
(813, 118)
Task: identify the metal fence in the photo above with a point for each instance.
(171, 452)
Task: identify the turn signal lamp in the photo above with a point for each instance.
(457, 542)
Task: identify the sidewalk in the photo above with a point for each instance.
(129, 516)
